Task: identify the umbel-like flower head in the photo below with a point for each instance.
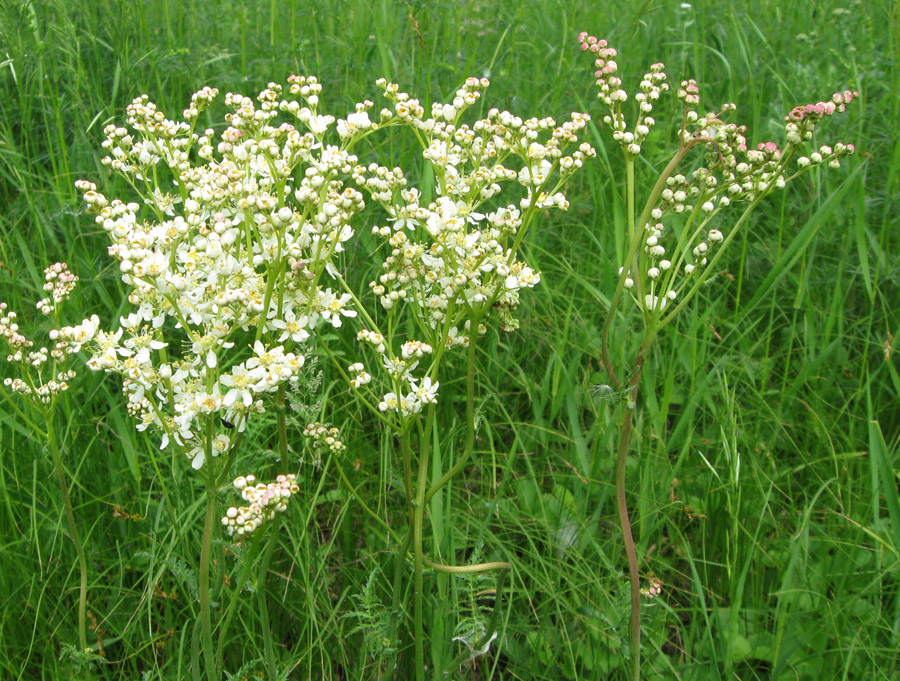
(452, 260)
(224, 249)
(231, 247)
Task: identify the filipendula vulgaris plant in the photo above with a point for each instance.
(232, 259)
(42, 383)
(225, 255)
(685, 226)
(451, 266)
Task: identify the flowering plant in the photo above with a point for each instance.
(232, 255)
(675, 242)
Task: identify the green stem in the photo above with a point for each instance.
(466, 569)
(264, 606)
(73, 531)
(418, 555)
(622, 506)
(709, 268)
(635, 232)
(209, 658)
(631, 227)
(270, 546)
(395, 599)
(238, 589)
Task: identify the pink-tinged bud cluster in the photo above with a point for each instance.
(264, 502)
(653, 588)
(728, 172)
(60, 283)
(689, 93)
(611, 93)
(820, 110)
(323, 437)
(802, 121)
(610, 84)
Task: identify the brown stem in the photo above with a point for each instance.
(624, 521)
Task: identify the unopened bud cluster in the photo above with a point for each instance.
(324, 437)
(653, 588)
(611, 93)
(60, 283)
(42, 372)
(264, 501)
(728, 173)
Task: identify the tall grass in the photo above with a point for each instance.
(767, 434)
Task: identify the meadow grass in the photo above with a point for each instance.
(764, 485)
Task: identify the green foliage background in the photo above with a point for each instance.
(765, 485)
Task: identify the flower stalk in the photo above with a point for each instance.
(53, 446)
(204, 592)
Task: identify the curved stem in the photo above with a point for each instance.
(466, 569)
(631, 553)
(73, 531)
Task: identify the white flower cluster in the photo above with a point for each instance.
(225, 271)
(452, 260)
(420, 393)
(452, 256)
(264, 502)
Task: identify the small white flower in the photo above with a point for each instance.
(427, 391)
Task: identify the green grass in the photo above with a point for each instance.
(764, 489)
